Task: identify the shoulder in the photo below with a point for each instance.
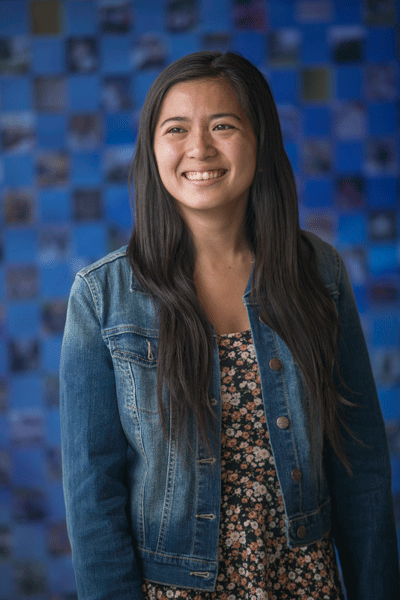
(328, 260)
(113, 261)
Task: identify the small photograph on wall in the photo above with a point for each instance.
(284, 47)
(350, 192)
(22, 282)
(384, 293)
(23, 355)
(52, 168)
(289, 118)
(393, 435)
(51, 391)
(19, 207)
(315, 84)
(57, 540)
(322, 224)
(250, 15)
(15, 55)
(356, 264)
(117, 162)
(6, 542)
(27, 427)
(382, 226)
(216, 42)
(82, 54)
(381, 82)
(386, 366)
(54, 244)
(314, 11)
(116, 94)
(379, 12)
(53, 463)
(317, 157)
(347, 44)
(5, 469)
(29, 505)
(115, 16)
(181, 15)
(381, 157)
(86, 205)
(84, 131)
(50, 94)
(30, 577)
(3, 395)
(18, 132)
(350, 121)
(150, 52)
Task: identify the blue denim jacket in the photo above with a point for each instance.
(137, 509)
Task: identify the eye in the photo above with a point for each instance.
(223, 127)
(176, 130)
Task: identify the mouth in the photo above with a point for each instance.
(204, 175)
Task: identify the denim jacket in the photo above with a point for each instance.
(137, 509)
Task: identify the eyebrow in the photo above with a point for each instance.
(215, 116)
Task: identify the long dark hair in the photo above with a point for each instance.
(291, 296)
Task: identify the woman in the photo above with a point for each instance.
(220, 423)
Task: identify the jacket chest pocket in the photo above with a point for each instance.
(134, 357)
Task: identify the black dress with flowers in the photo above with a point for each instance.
(255, 562)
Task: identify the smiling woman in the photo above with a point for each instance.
(221, 430)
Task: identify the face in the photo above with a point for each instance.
(205, 147)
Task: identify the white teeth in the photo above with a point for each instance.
(197, 176)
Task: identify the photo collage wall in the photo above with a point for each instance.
(73, 78)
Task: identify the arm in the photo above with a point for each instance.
(362, 516)
(94, 459)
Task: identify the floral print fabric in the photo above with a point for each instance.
(255, 562)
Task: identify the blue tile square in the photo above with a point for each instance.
(314, 46)
(382, 118)
(55, 281)
(16, 94)
(382, 192)
(23, 319)
(18, 171)
(285, 86)
(348, 157)
(28, 468)
(26, 391)
(81, 17)
(90, 241)
(213, 15)
(115, 52)
(390, 403)
(352, 229)
(117, 206)
(348, 83)
(182, 44)
(51, 130)
(53, 436)
(13, 17)
(292, 150)
(35, 548)
(386, 330)
(48, 56)
(381, 44)
(51, 351)
(147, 19)
(84, 92)
(382, 260)
(347, 12)
(318, 193)
(282, 14)
(119, 129)
(251, 45)
(20, 245)
(54, 206)
(86, 169)
(317, 120)
(142, 82)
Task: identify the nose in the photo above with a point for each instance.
(200, 145)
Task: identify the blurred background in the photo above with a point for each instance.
(73, 77)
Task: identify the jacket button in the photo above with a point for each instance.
(301, 532)
(275, 364)
(297, 475)
(283, 422)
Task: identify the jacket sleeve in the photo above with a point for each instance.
(363, 524)
(94, 450)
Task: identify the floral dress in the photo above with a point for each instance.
(254, 560)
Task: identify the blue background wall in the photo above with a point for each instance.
(73, 76)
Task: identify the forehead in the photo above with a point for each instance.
(206, 95)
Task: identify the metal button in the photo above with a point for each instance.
(283, 422)
(301, 532)
(275, 364)
(297, 475)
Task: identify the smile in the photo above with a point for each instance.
(198, 176)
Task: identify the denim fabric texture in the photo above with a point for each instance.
(138, 509)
